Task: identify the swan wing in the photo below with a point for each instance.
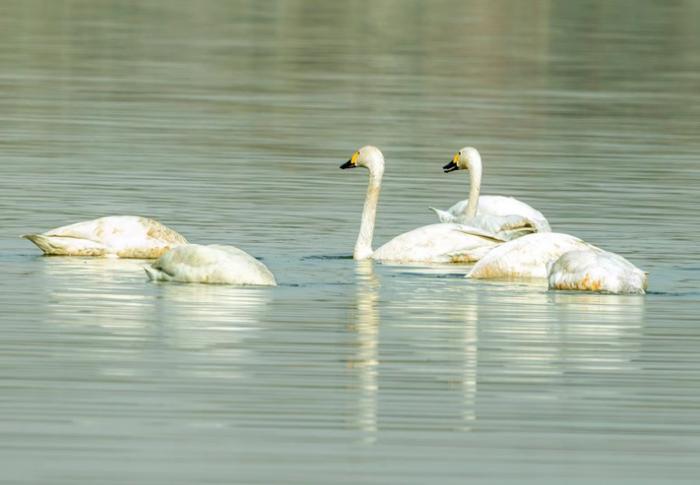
(506, 227)
(459, 208)
(443, 216)
(195, 263)
(526, 257)
(497, 206)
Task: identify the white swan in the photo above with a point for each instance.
(527, 257)
(438, 243)
(596, 270)
(115, 236)
(194, 263)
(485, 211)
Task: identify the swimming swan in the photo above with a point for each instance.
(438, 243)
(527, 257)
(195, 263)
(488, 211)
(115, 236)
(596, 270)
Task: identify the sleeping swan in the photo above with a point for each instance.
(489, 211)
(437, 243)
(113, 236)
(567, 262)
(194, 263)
(596, 270)
(527, 257)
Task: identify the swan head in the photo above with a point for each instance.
(368, 157)
(467, 158)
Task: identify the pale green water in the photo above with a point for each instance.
(227, 121)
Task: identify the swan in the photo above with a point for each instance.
(196, 263)
(112, 236)
(436, 243)
(596, 270)
(487, 210)
(527, 256)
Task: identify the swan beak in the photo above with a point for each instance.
(450, 167)
(352, 163)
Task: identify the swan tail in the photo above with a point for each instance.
(155, 274)
(41, 241)
(443, 216)
(66, 246)
(510, 234)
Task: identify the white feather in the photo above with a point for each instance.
(497, 206)
(596, 270)
(438, 243)
(115, 236)
(526, 257)
(195, 263)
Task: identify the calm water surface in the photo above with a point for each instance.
(228, 121)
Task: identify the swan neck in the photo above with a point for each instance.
(363, 246)
(474, 185)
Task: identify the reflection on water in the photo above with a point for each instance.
(366, 361)
(469, 346)
(91, 291)
(227, 121)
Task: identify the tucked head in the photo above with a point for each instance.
(464, 159)
(369, 157)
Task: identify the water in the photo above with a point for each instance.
(228, 121)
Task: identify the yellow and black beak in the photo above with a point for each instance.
(352, 163)
(452, 166)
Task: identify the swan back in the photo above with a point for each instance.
(526, 257)
(499, 206)
(438, 243)
(122, 236)
(195, 263)
(596, 270)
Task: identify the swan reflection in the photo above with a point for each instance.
(365, 360)
(532, 326)
(207, 324)
(469, 350)
(103, 292)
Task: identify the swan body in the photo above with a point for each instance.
(195, 263)
(112, 236)
(491, 209)
(527, 257)
(596, 270)
(498, 206)
(437, 243)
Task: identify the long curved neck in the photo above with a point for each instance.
(363, 246)
(474, 184)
